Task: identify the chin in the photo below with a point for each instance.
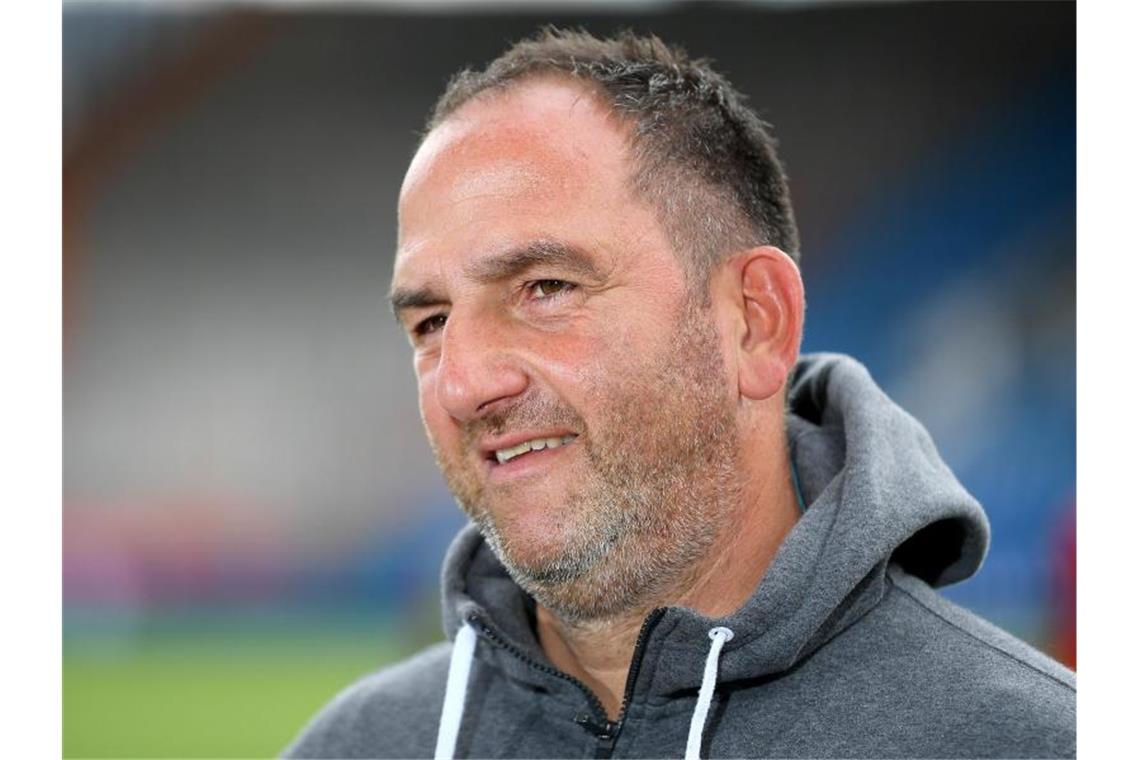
(541, 553)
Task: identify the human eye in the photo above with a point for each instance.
(545, 289)
(427, 326)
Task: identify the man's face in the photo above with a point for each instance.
(571, 386)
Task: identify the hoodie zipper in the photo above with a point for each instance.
(606, 749)
(603, 729)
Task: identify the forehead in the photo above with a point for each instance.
(542, 159)
(541, 128)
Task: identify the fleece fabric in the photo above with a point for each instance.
(844, 650)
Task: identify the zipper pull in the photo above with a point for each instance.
(604, 732)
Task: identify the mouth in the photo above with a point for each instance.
(505, 454)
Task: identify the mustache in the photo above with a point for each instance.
(532, 410)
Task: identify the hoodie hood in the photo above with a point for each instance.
(876, 493)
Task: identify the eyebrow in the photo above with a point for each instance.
(503, 266)
(402, 299)
(539, 253)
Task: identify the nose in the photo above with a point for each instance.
(478, 368)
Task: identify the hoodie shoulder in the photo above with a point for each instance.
(391, 713)
(1008, 697)
(1037, 665)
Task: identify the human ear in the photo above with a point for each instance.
(771, 303)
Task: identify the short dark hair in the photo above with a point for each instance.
(704, 159)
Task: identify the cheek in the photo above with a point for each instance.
(572, 365)
(612, 349)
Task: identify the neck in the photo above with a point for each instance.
(599, 653)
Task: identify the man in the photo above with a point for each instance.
(685, 539)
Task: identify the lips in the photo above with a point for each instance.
(504, 449)
(504, 455)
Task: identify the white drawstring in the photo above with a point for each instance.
(462, 653)
(704, 698)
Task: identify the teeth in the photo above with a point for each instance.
(537, 444)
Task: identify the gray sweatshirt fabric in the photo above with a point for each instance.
(844, 649)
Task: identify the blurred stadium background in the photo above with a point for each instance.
(252, 516)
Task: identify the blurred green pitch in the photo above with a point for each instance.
(208, 694)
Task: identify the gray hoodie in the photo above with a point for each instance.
(844, 649)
